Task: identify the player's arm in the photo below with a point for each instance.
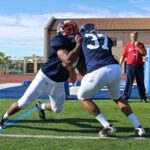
(81, 68)
(63, 56)
(140, 48)
(68, 58)
(74, 54)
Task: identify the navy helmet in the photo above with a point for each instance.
(67, 28)
(87, 28)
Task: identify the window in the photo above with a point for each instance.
(114, 41)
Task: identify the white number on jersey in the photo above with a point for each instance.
(96, 44)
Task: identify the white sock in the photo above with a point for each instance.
(134, 120)
(102, 120)
(42, 106)
(5, 116)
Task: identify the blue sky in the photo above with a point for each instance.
(22, 22)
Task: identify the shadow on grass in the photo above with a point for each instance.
(77, 122)
(125, 132)
(75, 130)
(82, 125)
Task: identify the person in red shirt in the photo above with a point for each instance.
(134, 52)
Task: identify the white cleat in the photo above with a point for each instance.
(107, 131)
(139, 131)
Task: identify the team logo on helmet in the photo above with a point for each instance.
(87, 28)
(67, 28)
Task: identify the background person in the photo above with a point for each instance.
(134, 52)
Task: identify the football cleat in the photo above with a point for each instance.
(107, 131)
(3, 123)
(41, 112)
(139, 131)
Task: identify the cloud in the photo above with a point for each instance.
(22, 27)
(24, 33)
(141, 5)
(127, 14)
(144, 8)
(78, 7)
(5, 20)
(73, 15)
(94, 11)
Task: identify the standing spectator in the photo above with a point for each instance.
(102, 69)
(134, 52)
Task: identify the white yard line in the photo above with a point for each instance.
(72, 137)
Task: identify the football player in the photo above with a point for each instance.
(63, 52)
(102, 69)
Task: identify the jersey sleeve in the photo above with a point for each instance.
(58, 42)
(111, 44)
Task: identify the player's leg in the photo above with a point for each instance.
(90, 85)
(114, 91)
(56, 93)
(33, 91)
(126, 109)
(57, 97)
(41, 107)
(94, 110)
(114, 76)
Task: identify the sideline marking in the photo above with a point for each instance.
(72, 137)
(21, 117)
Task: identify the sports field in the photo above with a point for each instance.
(73, 129)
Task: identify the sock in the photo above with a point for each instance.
(42, 106)
(5, 116)
(102, 120)
(134, 120)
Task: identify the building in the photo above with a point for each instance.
(32, 64)
(117, 28)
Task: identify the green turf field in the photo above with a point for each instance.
(74, 129)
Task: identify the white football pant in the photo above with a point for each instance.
(42, 85)
(93, 82)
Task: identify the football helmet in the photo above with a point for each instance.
(67, 28)
(87, 28)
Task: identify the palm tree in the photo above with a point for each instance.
(4, 61)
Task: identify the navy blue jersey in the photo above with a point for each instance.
(53, 67)
(97, 51)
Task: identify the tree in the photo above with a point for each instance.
(4, 61)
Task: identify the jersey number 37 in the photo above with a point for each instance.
(95, 42)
